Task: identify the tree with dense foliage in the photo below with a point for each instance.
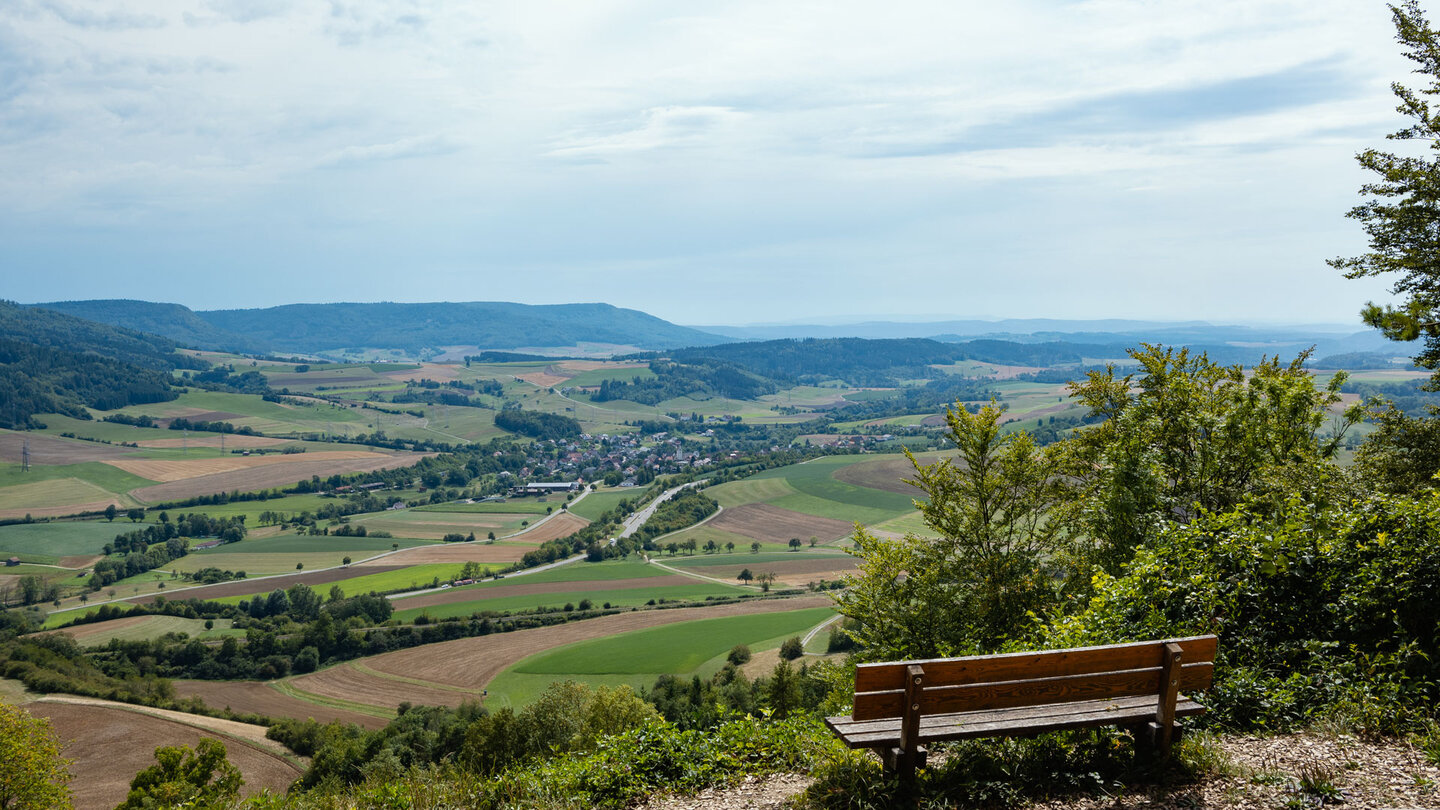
(202, 777)
(974, 587)
(1184, 435)
(33, 776)
(1402, 215)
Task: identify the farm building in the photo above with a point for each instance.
(545, 488)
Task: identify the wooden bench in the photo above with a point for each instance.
(901, 706)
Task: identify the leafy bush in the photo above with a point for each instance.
(1320, 609)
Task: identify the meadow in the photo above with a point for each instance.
(638, 657)
(48, 542)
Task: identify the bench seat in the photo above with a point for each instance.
(1123, 712)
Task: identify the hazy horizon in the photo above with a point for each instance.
(737, 163)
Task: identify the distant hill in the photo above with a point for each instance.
(880, 362)
(488, 325)
(51, 362)
(169, 320)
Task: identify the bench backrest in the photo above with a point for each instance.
(1032, 678)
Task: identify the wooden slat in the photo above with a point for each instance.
(1031, 691)
(1042, 664)
(968, 725)
(1142, 702)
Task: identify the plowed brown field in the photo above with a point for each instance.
(561, 525)
(772, 524)
(109, 745)
(252, 697)
(347, 682)
(521, 588)
(273, 474)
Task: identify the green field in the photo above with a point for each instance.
(639, 657)
(309, 544)
(626, 597)
(511, 506)
(747, 558)
(434, 525)
(280, 554)
(584, 572)
(102, 476)
(47, 542)
(597, 503)
(596, 376)
(152, 627)
(812, 489)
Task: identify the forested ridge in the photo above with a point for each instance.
(55, 363)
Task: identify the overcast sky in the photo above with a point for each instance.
(709, 163)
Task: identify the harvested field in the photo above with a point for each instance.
(54, 492)
(110, 744)
(79, 560)
(425, 525)
(561, 525)
(479, 552)
(272, 474)
(166, 470)
(543, 379)
(522, 588)
(58, 510)
(771, 524)
(471, 663)
(439, 372)
(349, 682)
(242, 587)
(47, 450)
(204, 440)
(885, 474)
(197, 415)
(84, 633)
(253, 697)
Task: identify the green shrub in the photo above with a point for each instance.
(1322, 611)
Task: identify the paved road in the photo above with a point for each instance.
(633, 523)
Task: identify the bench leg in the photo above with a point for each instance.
(1150, 744)
(902, 764)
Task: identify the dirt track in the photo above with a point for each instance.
(109, 745)
(772, 524)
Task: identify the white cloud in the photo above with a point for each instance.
(631, 133)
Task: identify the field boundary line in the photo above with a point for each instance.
(815, 631)
(693, 575)
(289, 689)
(375, 673)
(185, 719)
